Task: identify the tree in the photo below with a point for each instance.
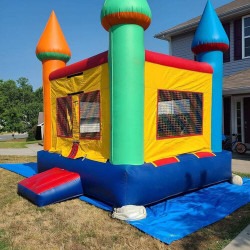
(19, 105)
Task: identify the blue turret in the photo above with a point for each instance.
(209, 43)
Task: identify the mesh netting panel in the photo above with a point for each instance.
(179, 113)
(90, 115)
(64, 116)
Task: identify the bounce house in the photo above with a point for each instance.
(129, 126)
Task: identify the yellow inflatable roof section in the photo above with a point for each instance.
(52, 43)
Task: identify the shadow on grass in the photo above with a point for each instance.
(220, 234)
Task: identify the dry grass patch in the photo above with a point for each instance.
(15, 159)
(67, 225)
(13, 144)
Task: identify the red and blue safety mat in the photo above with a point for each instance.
(51, 186)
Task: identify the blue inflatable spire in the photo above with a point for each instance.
(209, 43)
(210, 34)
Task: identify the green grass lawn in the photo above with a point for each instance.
(16, 143)
(13, 144)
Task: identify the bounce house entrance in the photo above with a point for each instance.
(78, 119)
(67, 121)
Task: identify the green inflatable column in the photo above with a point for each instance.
(126, 22)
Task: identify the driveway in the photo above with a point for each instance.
(9, 137)
(31, 150)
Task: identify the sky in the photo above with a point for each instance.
(23, 21)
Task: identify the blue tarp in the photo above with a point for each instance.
(180, 216)
(24, 169)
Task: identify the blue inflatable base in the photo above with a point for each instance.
(119, 185)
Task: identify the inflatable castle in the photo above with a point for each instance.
(129, 126)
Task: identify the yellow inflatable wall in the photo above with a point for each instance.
(91, 80)
(177, 80)
(159, 77)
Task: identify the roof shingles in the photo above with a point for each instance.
(224, 12)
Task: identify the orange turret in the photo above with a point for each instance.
(53, 50)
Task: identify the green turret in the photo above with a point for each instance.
(126, 22)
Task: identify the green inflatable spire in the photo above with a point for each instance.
(126, 22)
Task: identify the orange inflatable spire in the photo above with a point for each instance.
(53, 50)
(52, 44)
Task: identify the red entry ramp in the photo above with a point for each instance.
(51, 186)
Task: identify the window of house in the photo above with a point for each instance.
(242, 38)
(246, 36)
(238, 39)
(64, 116)
(90, 115)
(179, 114)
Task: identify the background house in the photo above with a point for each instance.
(235, 17)
(40, 126)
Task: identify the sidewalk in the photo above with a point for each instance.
(241, 242)
(31, 150)
(241, 163)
